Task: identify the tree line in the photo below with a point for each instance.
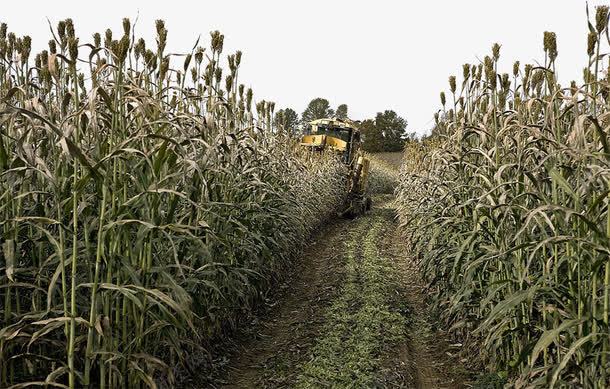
(385, 132)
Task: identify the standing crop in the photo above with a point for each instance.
(508, 209)
(143, 205)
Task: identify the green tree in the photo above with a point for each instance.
(286, 120)
(371, 135)
(342, 111)
(318, 108)
(392, 128)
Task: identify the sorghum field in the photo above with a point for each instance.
(159, 229)
(507, 209)
(143, 207)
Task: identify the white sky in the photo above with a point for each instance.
(371, 55)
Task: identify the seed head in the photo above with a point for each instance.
(52, 47)
(452, 84)
(237, 58)
(217, 41)
(231, 60)
(3, 28)
(123, 48)
(114, 48)
(488, 63)
(516, 68)
(151, 59)
(550, 44)
(505, 82)
(11, 44)
(466, 71)
(44, 57)
(443, 99)
(194, 74)
(61, 30)
(591, 43)
(241, 91)
(126, 26)
(601, 18)
(159, 25)
(12, 38)
(490, 73)
(27, 48)
(229, 83)
(209, 73)
(218, 75)
(249, 99)
(139, 48)
(260, 107)
(199, 55)
(70, 28)
(538, 78)
(495, 50)
(108, 38)
(18, 46)
(161, 40)
(214, 39)
(97, 39)
(221, 43)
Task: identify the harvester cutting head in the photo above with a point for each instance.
(343, 137)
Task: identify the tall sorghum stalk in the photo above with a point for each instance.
(142, 213)
(505, 215)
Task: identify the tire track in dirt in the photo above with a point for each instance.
(425, 360)
(291, 327)
(274, 351)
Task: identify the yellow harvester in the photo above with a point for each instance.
(343, 138)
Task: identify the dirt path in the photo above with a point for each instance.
(352, 315)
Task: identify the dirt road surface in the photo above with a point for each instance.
(352, 315)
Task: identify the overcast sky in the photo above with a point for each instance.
(371, 55)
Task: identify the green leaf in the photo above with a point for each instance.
(549, 337)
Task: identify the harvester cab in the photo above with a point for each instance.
(343, 137)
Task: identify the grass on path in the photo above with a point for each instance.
(361, 323)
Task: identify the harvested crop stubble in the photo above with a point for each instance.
(508, 209)
(142, 207)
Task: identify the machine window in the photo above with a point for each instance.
(334, 132)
